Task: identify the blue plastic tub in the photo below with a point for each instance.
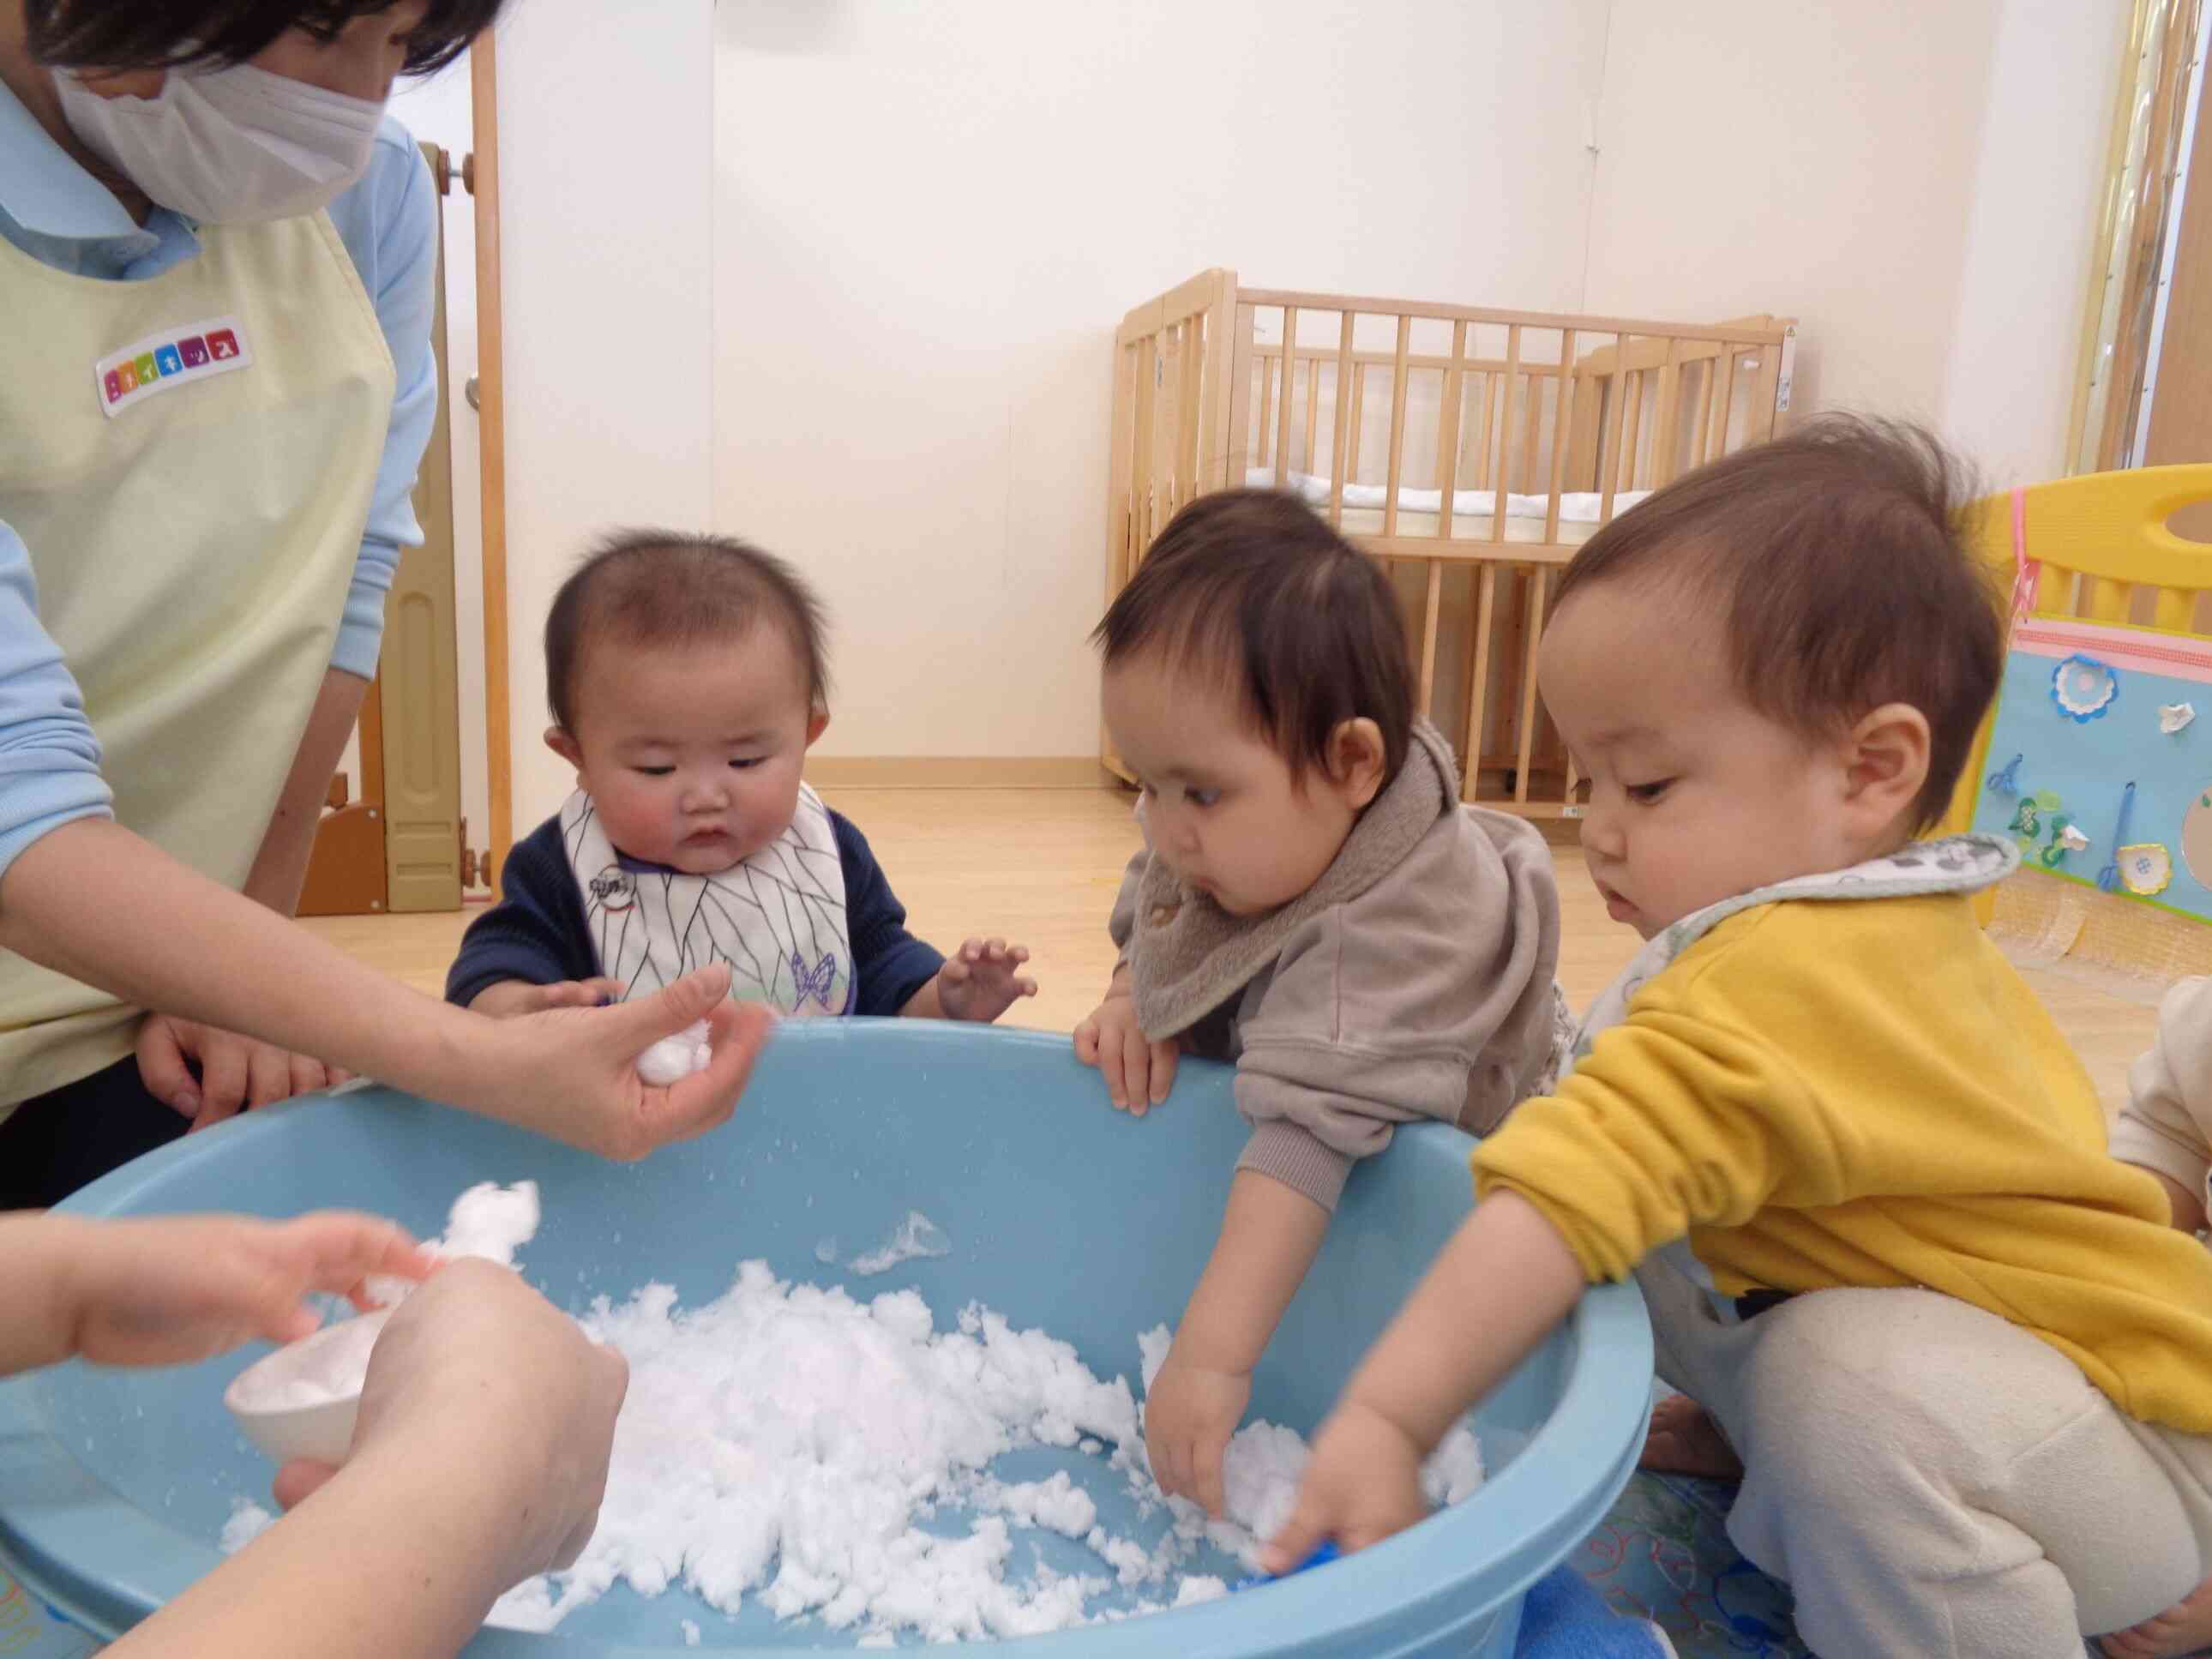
(115, 1485)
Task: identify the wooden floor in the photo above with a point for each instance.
(1040, 867)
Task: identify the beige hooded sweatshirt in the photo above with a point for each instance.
(1414, 980)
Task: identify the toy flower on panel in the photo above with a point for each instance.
(2083, 687)
(2145, 868)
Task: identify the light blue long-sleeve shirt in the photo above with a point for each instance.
(55, 211)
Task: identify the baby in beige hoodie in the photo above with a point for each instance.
(1313, 903)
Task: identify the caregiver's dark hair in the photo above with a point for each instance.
(140, 34)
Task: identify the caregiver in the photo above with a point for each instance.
(216, 264)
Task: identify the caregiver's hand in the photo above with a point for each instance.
(235, 1072)
(170, 1290)
(479, 1459)
(476, 1372)
(575, 1070)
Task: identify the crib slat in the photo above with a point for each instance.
(1448, 422)
(1220, 327)
(1477, 698)
(1609, 444)
(1532, 423)
(1358, 419)
(1505, 435)
(1143, 483)
(1235, 462)
(1164, 438)
(1397, 428)
(1186, 381)
(1431, 610)
(1483, 469)
(1666, 420)
(1313, 408)
(1193, 388)
(1725, 405)
(1339, 431)
(1711, 375)
(1283, 414)
(1625, 463)
(1769, 387)
(1541, 580)
(1267, 416)
(1121, 560)
(1559, 417)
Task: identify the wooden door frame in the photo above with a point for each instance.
(480, 173)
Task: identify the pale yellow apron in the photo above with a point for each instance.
(189, 460)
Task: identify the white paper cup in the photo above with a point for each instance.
(301, 1401)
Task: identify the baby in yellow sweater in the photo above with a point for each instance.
(1860, 1178)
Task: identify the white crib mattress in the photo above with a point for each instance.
(1472, 509)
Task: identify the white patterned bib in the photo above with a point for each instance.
(778, 919)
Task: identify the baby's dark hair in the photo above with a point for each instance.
(663, 588)
(1836, 563)
(1253, 584)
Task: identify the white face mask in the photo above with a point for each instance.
(231, 145)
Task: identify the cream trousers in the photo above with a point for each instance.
(1932, 1482)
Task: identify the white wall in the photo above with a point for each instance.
(606, 195)
(2054, 79)
(841, 274)
(1913, 181)
(928, 219)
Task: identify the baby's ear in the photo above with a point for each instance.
(558, 739)
(1886, 762)
(816, 724)
(1357, 760)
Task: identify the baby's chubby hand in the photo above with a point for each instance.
(982, 980)
(1139, 1071)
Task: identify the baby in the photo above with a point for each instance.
(1859, 1175)
(688, 679)
(2166, 1128)
(1313, 903)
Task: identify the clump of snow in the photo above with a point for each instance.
(916, 1235)
(673, 1059)
(247, 1521)
(786, 1443)
(815, 1452)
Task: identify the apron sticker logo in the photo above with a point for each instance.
(167, 360)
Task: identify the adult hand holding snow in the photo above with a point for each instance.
(572, 1073)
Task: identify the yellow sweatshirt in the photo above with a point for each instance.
(1831, 1093)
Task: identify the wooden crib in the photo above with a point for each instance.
(1448, 414)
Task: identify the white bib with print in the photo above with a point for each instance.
(778, 919)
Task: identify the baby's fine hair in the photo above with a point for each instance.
(1835, 561)
(1253, 586)
(643, 588)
